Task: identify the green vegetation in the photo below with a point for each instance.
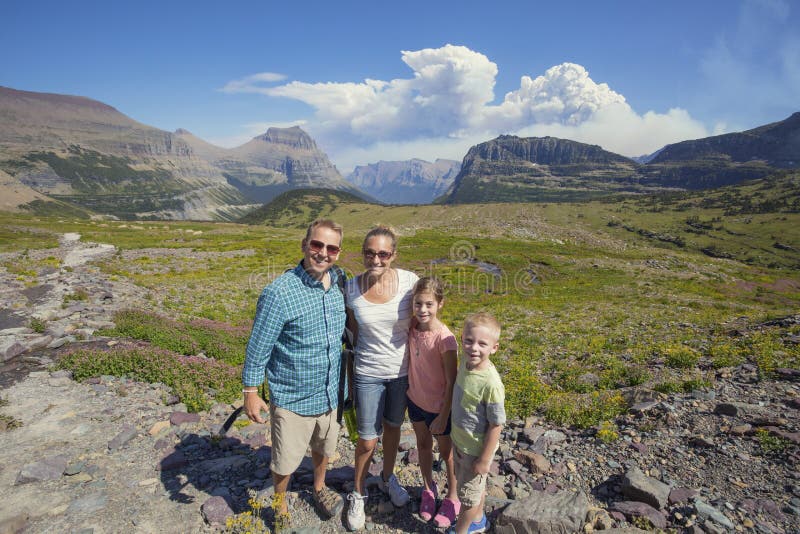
(587, 306)
(301, 206)
(216, 340)
(195, 380)
(769, 443)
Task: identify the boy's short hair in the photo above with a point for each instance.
(484, 319)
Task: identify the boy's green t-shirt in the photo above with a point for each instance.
(478, 401)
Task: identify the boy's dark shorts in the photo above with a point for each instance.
(417, 415)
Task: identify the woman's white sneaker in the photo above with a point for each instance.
(396, 492)
(355, 510)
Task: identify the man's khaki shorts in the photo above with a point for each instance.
(470, 485)
(293, 433)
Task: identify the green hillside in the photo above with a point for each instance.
(299, 207)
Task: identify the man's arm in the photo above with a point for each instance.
(267, 326)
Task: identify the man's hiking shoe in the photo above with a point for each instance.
(328, 502)
(396, 492)
(355, 510)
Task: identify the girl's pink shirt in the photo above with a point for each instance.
(426, 379)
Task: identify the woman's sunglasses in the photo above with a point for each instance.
(318, 246)
(383, 255)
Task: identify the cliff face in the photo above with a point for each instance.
(777, 144)
(516, 169)
(405, 182)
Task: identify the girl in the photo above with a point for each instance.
(432, 366)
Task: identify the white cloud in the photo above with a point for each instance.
(250, 84)
(447, 106)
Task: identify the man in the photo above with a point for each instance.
(297, 341)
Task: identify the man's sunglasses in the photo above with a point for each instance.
(383, 255)
(318, 246)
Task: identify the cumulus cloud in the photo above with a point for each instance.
(447, 105)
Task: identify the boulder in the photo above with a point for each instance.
(639, 487)
(545, 513)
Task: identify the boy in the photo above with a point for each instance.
(477, 419)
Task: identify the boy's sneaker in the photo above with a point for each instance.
(447, 513)
(477, 526)
(355, 511)
(396, 492)
(427, 504)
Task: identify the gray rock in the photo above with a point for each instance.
(706, 511)
(639, 487)
(47, 469)
(181, 418)
(725, 408)
(679, 495)
(554, 436)
(10, 347)
(172, 460)
(220, 465)
(216, 510)
(120, 440)
(563, 512)
(89, 504)
(633, 509)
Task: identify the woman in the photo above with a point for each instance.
(379, 315)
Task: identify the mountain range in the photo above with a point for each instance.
(83, 152)
(511, 168)
(413, 181)
(61, 153)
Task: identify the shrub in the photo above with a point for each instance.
(607, 432)
(37, 325)
(584, 411)
(680, 356)
(726, 354)
(190, 377)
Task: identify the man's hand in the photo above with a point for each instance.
(253, 405)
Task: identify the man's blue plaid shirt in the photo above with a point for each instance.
(297, 338)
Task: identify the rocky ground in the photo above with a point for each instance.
(111, 455)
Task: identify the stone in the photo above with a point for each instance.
(639, 487)
(175, 459)
(88, 504)
(680, 495)
(554, 436)
(120, 440)
(533, 433)
(641, 448)
(724, 408)
(642, 408)
(10, 347)
(48, 469)
(633, 509)
(158, 427)
(182, 418)
(741, 430)
(535, 462)
(543, 512)
(216, 510)
(706, 511)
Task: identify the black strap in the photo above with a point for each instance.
(347, 351)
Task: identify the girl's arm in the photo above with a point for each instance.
(450, 364)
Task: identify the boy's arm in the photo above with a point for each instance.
(491, 439)
(450, 363)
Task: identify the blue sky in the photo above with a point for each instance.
(380, 80)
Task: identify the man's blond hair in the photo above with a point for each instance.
(485, 319)
(325, 223)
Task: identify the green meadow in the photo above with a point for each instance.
(594, 297)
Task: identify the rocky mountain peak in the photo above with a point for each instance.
(294, 137)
